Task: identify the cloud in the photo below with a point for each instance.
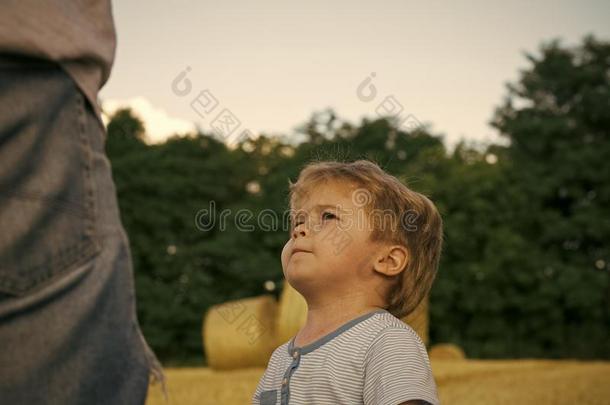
(158, 123)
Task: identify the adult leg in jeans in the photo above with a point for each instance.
(69, 333)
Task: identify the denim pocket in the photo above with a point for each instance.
(47, 195)
(269, 397)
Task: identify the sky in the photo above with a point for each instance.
(270, 64)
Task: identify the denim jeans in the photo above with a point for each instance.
(69, 333)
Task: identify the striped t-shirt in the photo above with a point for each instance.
(374, 359)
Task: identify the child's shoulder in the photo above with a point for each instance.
(384, 319)
(379, 328)
(385, 327)
(282, 349)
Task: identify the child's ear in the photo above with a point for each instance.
(392, 260)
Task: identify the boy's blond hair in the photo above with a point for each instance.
(419, 229)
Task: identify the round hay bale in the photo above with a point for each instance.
(240, 333)
(418, 320)
(292, 314)
(447, 351)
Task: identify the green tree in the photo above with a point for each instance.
(557, 118)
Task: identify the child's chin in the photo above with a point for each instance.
(300, 277)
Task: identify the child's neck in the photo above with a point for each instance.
(323, 318)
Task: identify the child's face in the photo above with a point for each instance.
(332, 228)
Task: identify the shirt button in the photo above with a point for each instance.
(284, 381)
(295, 355)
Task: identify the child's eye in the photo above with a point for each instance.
(324, 215)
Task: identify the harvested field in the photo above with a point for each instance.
(460, 382)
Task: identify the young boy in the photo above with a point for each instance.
(363, 251)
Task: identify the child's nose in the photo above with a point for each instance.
(299, 230)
